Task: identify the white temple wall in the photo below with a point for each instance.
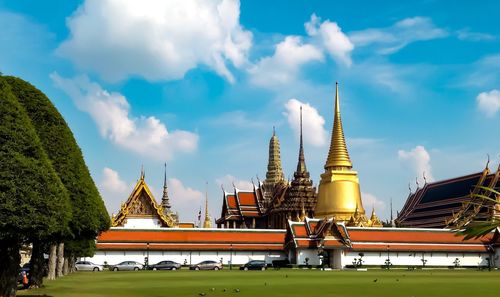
(415, 259)
(312, 254)
(184, 257)
(142, 223)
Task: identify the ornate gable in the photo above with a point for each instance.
(141, 203)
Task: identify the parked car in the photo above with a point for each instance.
(165, 265)
(88, 266)
(254, 265)
(126, 265)
(206, 265)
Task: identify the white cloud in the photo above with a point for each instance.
(332, 39)
(418, 160)
(184, 200)
(482, 74)
(113, 189)
(391, 39)
(370, 201)
(489, 102)
(313, 123)
(156, 39)
(228, 180)
(284, 65)
(146, 136)
(467, 35)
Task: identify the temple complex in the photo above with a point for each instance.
(289, 221)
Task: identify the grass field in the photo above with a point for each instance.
(372, 283)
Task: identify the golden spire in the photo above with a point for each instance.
(339, 194)
(338, 156)
(208, 221)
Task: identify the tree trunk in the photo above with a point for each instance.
(52, 261)
(37, 265)
(66, 266)
(72, 262)
(60, 259)
(10, 259)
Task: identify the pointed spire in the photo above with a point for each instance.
(165, 201)
(301, 165)
(207, 223)
(338, 156)
(143, 175)
(392, 218)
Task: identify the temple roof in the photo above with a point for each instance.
(240, 204)
(314, 233)
(191, 239)
(141, 203)
(435, 203)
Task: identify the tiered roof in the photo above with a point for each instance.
(435, 203)
(240, 204)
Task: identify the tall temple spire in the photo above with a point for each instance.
(165, 201)
(274, 170)
(207, 223)
(338, 156)
(339, 194)
(301, 165)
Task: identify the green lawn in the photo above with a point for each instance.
(304, 283)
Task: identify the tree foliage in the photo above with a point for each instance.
(33, 201)
(89, 213)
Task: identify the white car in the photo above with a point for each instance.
(88, 266)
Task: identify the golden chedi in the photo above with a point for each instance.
(339, 195)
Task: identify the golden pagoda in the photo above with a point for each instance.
(374, 221)
(339, 195)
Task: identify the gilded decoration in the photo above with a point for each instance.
(339, 194)
(141, 203)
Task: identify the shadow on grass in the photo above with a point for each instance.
(37, 295)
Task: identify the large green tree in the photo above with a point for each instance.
(33, 202)
(89, 213)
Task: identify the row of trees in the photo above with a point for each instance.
(47, 196)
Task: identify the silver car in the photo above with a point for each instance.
(87, 266)
(126, 265)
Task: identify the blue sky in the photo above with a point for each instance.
(200, 84)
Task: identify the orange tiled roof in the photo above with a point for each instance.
(247, 198)
(231, 202)
(192, 239)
